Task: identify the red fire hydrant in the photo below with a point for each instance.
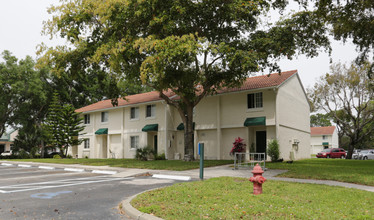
(257, 179)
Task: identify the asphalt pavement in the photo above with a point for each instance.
(138, 181)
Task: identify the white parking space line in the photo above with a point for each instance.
(24, 165)
(58, 183)
(46, 168)
(74, 170)
(7, 164)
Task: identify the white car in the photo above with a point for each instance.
(6, 153)
(366, 155)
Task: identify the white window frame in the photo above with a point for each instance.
(153, 111)
(324, 137)
(86, 144)
(87, 119)
(104, 117)
(134, 142)
(136, 113)
(258, 100)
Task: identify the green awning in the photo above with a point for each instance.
(150, 127)
(102, 131)
(181, 126)
(255, 121)
(325, 143)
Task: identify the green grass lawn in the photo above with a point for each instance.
(232, 198)
(351, 171)
(177, 165)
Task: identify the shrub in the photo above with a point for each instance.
(273, 150)
(238, 146)
(160, 156)
(69, 156)
(56, 156)
(24, 154)
(143, 153)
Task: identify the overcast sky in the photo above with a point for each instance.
(21, 25)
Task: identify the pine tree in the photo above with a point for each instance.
(64, 125)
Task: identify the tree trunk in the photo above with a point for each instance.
(42, 150)
(188, 134)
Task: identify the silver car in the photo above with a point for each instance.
(355, 154)
(366, 155)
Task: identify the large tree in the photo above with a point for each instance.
(347, 20)
(21, 91)
(345, 95)
(63, 125)
(189, 48)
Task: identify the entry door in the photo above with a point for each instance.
(261, 142)
(155, 143)
(2, 148)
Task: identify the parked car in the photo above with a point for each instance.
(6, 153)
(355, 154)
(332, 153)
(366, 155)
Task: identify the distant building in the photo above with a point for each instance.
(322, 138)
(7, 140)
(264, 108)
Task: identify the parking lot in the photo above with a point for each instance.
(42, 192)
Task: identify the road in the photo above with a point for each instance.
(44, 193)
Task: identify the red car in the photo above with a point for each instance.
(332, 153)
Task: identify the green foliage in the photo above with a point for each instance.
(143, 153)
(69, 156)
(348, 20)
(160, 156)
(56, 156)
(273, 150)
(21, 90)
(23, 154)
(320, 120)
(232, 198)
(28, 139)
(64, 125)
(177, 45)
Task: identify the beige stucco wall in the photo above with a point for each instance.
(293, 119)
(115, 147)
(228, 137)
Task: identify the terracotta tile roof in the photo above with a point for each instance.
(130, 100)
(265, 81)
(322, 130)
(255, 82)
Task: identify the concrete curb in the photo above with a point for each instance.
(128, 209)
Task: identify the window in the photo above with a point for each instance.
(134, 142)
(324, 137)
(134, 113)
(254, 100)
(86, 143)
(104, 116)
(87, 119)
(150, 111)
